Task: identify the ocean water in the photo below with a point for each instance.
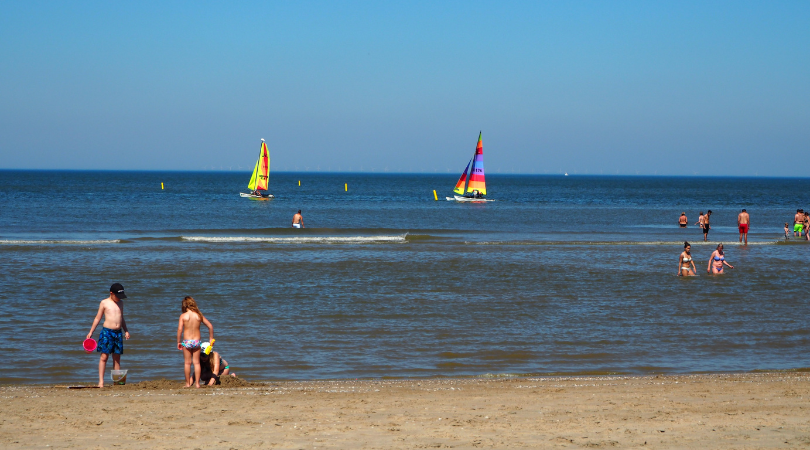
(559, 275)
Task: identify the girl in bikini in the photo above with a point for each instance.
(189, 328)
(717, 260)
(686, 267)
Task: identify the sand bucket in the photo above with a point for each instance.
(89, 345)
(118, 376)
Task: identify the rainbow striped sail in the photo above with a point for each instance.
(261, 173)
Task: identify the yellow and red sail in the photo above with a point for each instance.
(261, 173)
(462, 181)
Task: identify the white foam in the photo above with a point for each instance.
(300, 239)
(58, 242)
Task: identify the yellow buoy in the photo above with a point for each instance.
(435, 197)
(161, 186)
(346, 187)
(299, 182)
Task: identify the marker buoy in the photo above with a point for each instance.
(435, 197)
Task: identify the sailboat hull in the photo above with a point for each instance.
(459, 198)
(257, 197)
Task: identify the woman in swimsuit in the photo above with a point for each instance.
(686, 267)
(717, 260)
(682, 221)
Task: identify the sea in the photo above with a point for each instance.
(558, 275)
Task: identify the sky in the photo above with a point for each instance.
(584, 87)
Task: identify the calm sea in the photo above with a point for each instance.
(560, 275)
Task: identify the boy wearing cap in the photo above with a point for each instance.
(111, 338)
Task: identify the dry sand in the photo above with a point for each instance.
(691, 411)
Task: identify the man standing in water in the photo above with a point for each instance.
(742, 224)
(798, 223)
(706, 226)
(298, 220)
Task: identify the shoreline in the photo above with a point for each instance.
(167, 382)
(724, 410)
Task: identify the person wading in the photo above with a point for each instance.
(706, 226)
(742, 223)
(298, 220)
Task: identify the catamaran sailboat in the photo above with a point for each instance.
(261, 176)
(472, 188)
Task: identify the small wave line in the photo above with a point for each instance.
(299, 239)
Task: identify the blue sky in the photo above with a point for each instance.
(676, 88)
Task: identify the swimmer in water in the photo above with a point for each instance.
(298, 220)
(686, 266)
(717, 260)
(682, 221)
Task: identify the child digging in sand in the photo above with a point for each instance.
(214, 366)
(189, 328)
(111, 340)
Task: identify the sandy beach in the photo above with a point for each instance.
(767, 410)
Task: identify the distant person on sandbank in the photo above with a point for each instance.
(706, 225)
(189, 328)
(682, 221)
(298, 220)
(111, 338)
(798, 223)
(807, 226)
(742, 223)
(686, 266)
(717, 260)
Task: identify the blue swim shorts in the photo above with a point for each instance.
(111, 341)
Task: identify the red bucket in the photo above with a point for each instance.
(89, 345)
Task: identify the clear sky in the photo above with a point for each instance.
(677, 88)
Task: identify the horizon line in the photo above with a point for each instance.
(573, 174)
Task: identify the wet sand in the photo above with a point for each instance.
(769, 410)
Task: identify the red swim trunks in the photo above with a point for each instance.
(743, 228)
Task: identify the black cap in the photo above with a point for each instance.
(118, 290)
